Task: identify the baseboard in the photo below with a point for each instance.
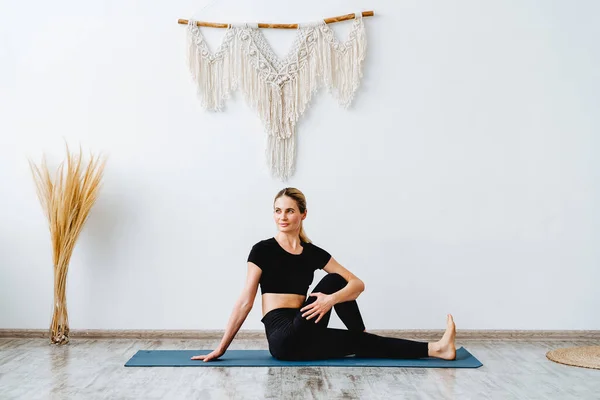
(461, 334)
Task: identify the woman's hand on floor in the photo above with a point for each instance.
(319, 308)
(207, 357)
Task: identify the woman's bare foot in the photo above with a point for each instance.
(445, 348)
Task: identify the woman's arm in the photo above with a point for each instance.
(325, 302)
(354, 287)
(241, 309)
(242, 306)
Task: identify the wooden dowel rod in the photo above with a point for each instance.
(278, 26)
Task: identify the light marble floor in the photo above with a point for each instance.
(93, 369)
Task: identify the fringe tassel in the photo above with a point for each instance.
(281, 154)
(212, 73)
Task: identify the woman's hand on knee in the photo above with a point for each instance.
(318, 308)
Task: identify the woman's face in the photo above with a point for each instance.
(286, 214)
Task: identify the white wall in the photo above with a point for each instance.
(461, 180)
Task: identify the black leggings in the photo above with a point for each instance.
(293, 337)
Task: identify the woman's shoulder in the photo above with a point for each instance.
(265, 243)
(261, 253)
(318, 256)
(315, 248)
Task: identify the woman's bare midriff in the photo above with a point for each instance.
(271, 301)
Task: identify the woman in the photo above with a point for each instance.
(296, 326)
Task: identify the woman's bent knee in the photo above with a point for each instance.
(332, 282)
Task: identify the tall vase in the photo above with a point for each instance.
(59, 328)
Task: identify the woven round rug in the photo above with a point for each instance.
(583, 356)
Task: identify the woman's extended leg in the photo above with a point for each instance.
(347, 311)
(335, 343)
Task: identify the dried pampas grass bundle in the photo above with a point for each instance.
(67, 199)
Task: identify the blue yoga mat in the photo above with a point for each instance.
(262, 358)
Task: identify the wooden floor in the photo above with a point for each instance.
(93, 369)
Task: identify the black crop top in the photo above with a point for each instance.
(284, 272)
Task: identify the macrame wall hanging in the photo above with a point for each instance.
(279, 90)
